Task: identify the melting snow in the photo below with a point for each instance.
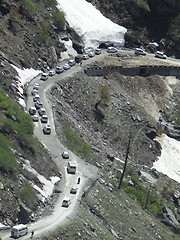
(90, 24)
(48, 185)
(169, 161)
(25, 76)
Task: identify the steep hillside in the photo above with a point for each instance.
(96, 130)
(146, 21)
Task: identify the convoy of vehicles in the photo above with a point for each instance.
(21, 229)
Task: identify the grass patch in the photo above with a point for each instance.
(43, 34)
(8, 162)
(27, 193)
(30, 6)
(59, 20)
(76, 144)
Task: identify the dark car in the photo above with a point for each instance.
(78, 59)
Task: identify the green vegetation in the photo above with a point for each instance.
(59, 19)
(16, 124)
(43, 35)
(50, 3)
(17, 121)
(27, 194)
(8, 162)
(174, 29)
(77, 144)
(139, 193)
(30, 6)
(142, 4)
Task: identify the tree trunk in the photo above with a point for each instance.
(125, 163)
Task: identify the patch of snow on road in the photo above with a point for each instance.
(25, 76)
(169, 161)
(48, 185)
(90, 24)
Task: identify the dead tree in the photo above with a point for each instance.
(125, 163)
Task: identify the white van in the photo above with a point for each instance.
(71, 167)
(19, 231)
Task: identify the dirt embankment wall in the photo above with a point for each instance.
(133, 71)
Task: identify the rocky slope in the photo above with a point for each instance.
(30, 38)
(146, 21)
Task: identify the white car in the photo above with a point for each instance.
(139, 51)
(44, 119)
(44, 76)
(66, 202)
(72, 62)
(65, 155)
(66, 66)
(160, 55)
(36, 86)
(91, 54)
(111, 50)
(59, 69)
(51, 73)
(85, 57)
(98, 51)
(47, 130)
(35, 118)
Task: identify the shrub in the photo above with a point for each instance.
(7, 160)
(30, 6)
(43, 35)
(27, 194)
(76, 144)
(59, 20)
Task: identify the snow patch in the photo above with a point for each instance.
(24, 76)
(48, 185)
(90, 24)
(169, 161)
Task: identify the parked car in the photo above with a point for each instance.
(66, 202)
(71, 167)
(34, 92)
(36, 86)
(35, 118)
(66, 66)
(85, 57)
(91, 54)
(44, 119)
(36, 98)
(65, 155)
(19, 231)
(51, 73)
(32, 110)
(59, 69)
(140, 51)
(160, 55)
(98, 51)
(47, 130)
(38, 105)
(73, 190)
(111, 50)
(44, 76)
(42, 111)
(78, 59)
(72, 62)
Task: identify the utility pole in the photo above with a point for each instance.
(125, 163)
